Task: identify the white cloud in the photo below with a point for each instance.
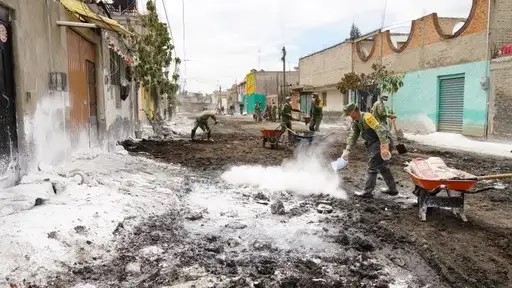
(223, 36)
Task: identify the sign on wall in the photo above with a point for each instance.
(250, 83)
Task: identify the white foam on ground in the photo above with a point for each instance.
(459, 142)
(39, 240)
(306, 173)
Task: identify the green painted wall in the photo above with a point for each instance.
(416, 104)
(251, 99)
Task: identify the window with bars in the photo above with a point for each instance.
(115, 68)
(115, 76)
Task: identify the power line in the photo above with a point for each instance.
(184, 45)
(384, 14)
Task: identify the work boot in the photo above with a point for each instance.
(389, 192)
(363, 194)
(390, 182)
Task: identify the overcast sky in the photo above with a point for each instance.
(223, 37)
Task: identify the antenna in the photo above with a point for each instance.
(259, 59)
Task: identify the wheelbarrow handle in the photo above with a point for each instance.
(291, 131)
(493, 177)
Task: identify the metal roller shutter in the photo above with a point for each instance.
(451, 105)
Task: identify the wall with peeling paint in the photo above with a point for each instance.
(39, 47)
(117, 115)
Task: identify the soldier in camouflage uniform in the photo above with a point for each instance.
(377, 141)
(274, 112)
(380, 112)
(316, 113)
(202, 122)
(286, 117)
(257, 112)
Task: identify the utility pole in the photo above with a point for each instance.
(284, 73)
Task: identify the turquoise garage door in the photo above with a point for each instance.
(451, 104)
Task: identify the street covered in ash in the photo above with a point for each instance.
(234, 214)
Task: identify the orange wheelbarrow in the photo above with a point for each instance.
(448, 194)
(271, 136)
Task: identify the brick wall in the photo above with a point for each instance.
(500, 107)
(429, 44)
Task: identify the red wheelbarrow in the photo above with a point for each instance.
(448, 194)
(272, 137)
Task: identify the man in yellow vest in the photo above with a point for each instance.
(377, 141)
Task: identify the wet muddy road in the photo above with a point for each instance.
(225, 235)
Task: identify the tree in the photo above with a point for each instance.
(153, 53)
(354, 32)
(379, 80)
(350, 82)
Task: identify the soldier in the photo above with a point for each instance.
(286, 117)
(202, 122)
(257, 112)
(316, 113)
(268, 114)
(380, 111)
(274, 112)
(377, 142)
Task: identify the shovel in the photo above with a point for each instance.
(399, 135)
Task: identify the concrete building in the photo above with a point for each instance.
(195, 102)
(443, 86)
(59, 95)
(260, 84)
(457, 71)
(126, 13)
(320, 72)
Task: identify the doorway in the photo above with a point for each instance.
(8, 126)
(82, 84)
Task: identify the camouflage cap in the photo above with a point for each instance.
(349, 108)
(315, 95)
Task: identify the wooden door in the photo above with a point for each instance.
(81, 55)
